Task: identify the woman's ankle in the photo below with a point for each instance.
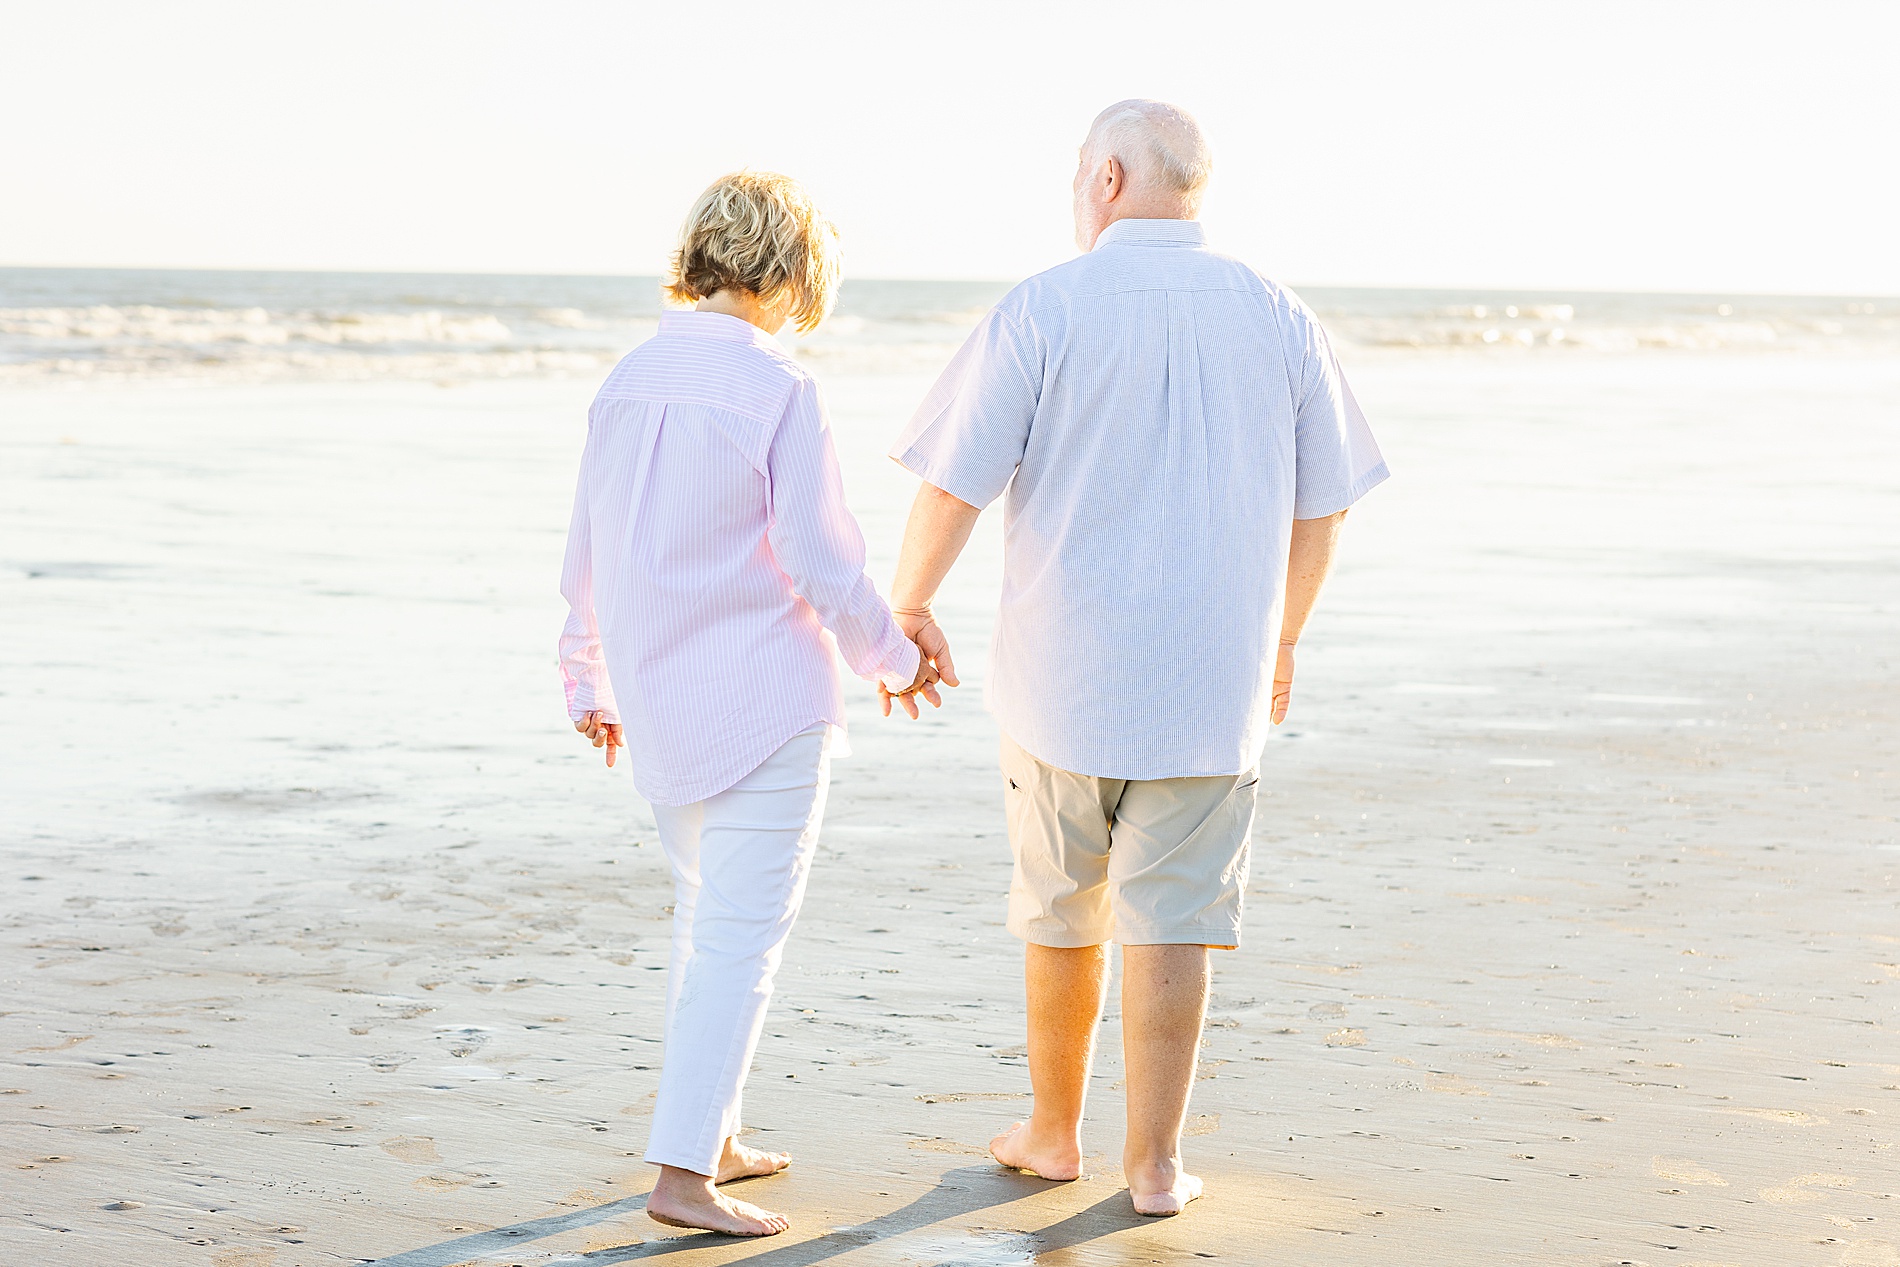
(681, 1182)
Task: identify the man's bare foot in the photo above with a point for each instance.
(683, 1198)
(1161, 1189)
(1018, 1149)
(740, 1162)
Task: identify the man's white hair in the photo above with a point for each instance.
(1159, 145)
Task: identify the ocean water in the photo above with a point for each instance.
(120, 324)
(1596, 725)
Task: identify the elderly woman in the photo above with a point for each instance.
(711, 564)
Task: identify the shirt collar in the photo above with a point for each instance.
(1152, 233)
(715, 325)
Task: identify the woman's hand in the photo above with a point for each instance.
(924, 684)
(933, 661)
(605, 734)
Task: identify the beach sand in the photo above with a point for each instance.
(1572, 936)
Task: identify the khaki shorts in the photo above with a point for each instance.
(1144, 862)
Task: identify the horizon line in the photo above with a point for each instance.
(988, 281)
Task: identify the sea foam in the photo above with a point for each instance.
(105, 324)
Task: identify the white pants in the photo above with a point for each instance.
(739, 864)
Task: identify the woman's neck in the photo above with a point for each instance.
(745, 306)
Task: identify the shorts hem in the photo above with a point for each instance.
(1173, 935)
(1225, 938)
(1060, 939)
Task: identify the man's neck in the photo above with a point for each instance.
(1162, 211)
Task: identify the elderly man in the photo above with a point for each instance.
(1178, 446)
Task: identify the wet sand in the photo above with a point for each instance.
(1573, 932)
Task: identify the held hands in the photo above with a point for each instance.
(925, 684)
(933, 662)
(605, 734)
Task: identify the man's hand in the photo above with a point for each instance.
(605, 734)
(921, 628)
(1309, 560)
(939, 526)
(1282, 682)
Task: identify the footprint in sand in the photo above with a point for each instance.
(1793, 1117)
(244, 1258)
(1563, 1041)
(417, 1150)
(1683, 1170)
(602, 1244)
(71, 1040)
(463, 1040)
(940, 1145)
(1804, 1188)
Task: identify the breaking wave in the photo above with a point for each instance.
(97, 324)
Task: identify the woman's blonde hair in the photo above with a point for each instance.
(761, 233)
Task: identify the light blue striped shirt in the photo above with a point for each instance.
(1159, 414)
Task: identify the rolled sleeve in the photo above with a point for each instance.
(1336, 459)
(968, 436)
(819, 545)
(583, 665)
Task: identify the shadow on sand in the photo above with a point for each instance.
(959, 1192)
(501, 1239)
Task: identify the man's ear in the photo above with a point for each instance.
(1117, 182)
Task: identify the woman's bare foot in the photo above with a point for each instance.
(740, 1162)
(1161, 1189)
(1019, 1149)
(684, 1198)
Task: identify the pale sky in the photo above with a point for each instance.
(1659, 145)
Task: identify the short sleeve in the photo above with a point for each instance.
(968, 436)
(1336, 460)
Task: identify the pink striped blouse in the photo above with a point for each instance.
(712, 560)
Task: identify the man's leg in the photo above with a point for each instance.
(1178, 872)
(1058, 904)
(1164, 1001)
(1066, 988)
